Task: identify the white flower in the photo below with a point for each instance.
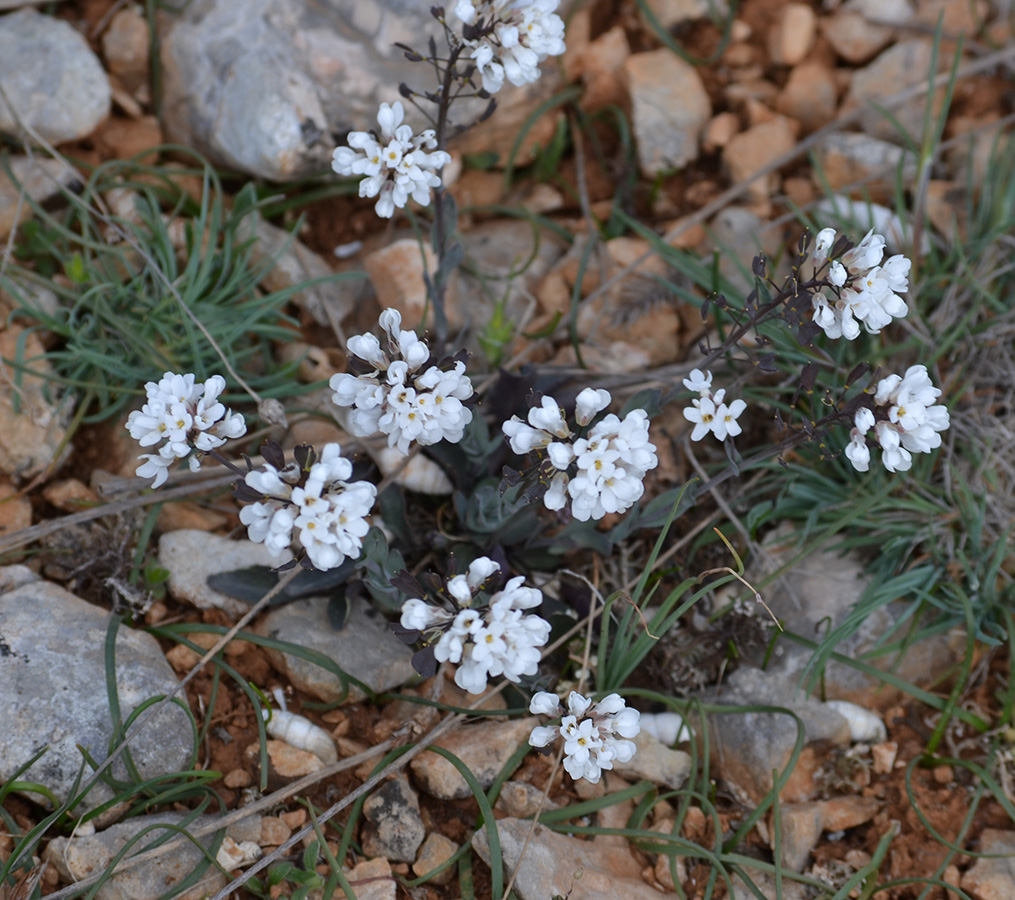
(319, 508)
(516, 36)
(595, 734)
(725, 421)
(589, 403)
(546, 422)
(823, 243)
(544, 703)
(399, 398)
(696, 381)
(612, 463)
(488, 637)
(866, 292)
(702, 413)
(857, 451)
(187, 417)
(905, 420)
(396, 164)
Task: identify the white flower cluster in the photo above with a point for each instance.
(326, 510)
(866, 290)
(485, 639)
(601, 472)
(396, 163)
(395, 396)
(710, 412)
(594, 733)
(510, 38)
(905, 420)
(188, 417)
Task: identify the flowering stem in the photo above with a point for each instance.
(229, 464)
(439, 281)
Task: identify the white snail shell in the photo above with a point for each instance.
(234, 855)
(864, 725)
(421, 474)
(301, 733)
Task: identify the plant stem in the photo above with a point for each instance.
(440, 245)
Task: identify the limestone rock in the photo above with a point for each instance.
(292, 264)
(670, 13)
(33, 434)
(824, 588)
(749, 745)
(810, 96)
(263, 92)
(640, 311)
(126, 45)
(373, 880)
(853, 37)
(602, 66)
(191, 556)
(993, 879)
(864, 164)
(553, 864)
(51, 76)
(740, 234)
(753, 150)
(484, 747)
(365, 648)
(903, 65)
(79, 857)
(40, 178)
(656, 762)
(396, 273)
(435, 851)
(670, 107)
(792, 35)
(53, 668)
(395, 830)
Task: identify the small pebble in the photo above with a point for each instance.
(295, 819)
(943, 774)
(274, 831)
(884, 755)
(238, 778)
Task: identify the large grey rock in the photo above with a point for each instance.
(51, 77)
(269, 91)
(656, 762)
(484, 747)
(190, 556)
(365, 648)
(53, 692)
(292, 263)
(748, 745)
(670, 107)
(906, 64)
(395, 830)
(816, 596)
(40, 179)
(850, 159)
(554, 864)
(79, 857)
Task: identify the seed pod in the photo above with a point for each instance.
(864, 725)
